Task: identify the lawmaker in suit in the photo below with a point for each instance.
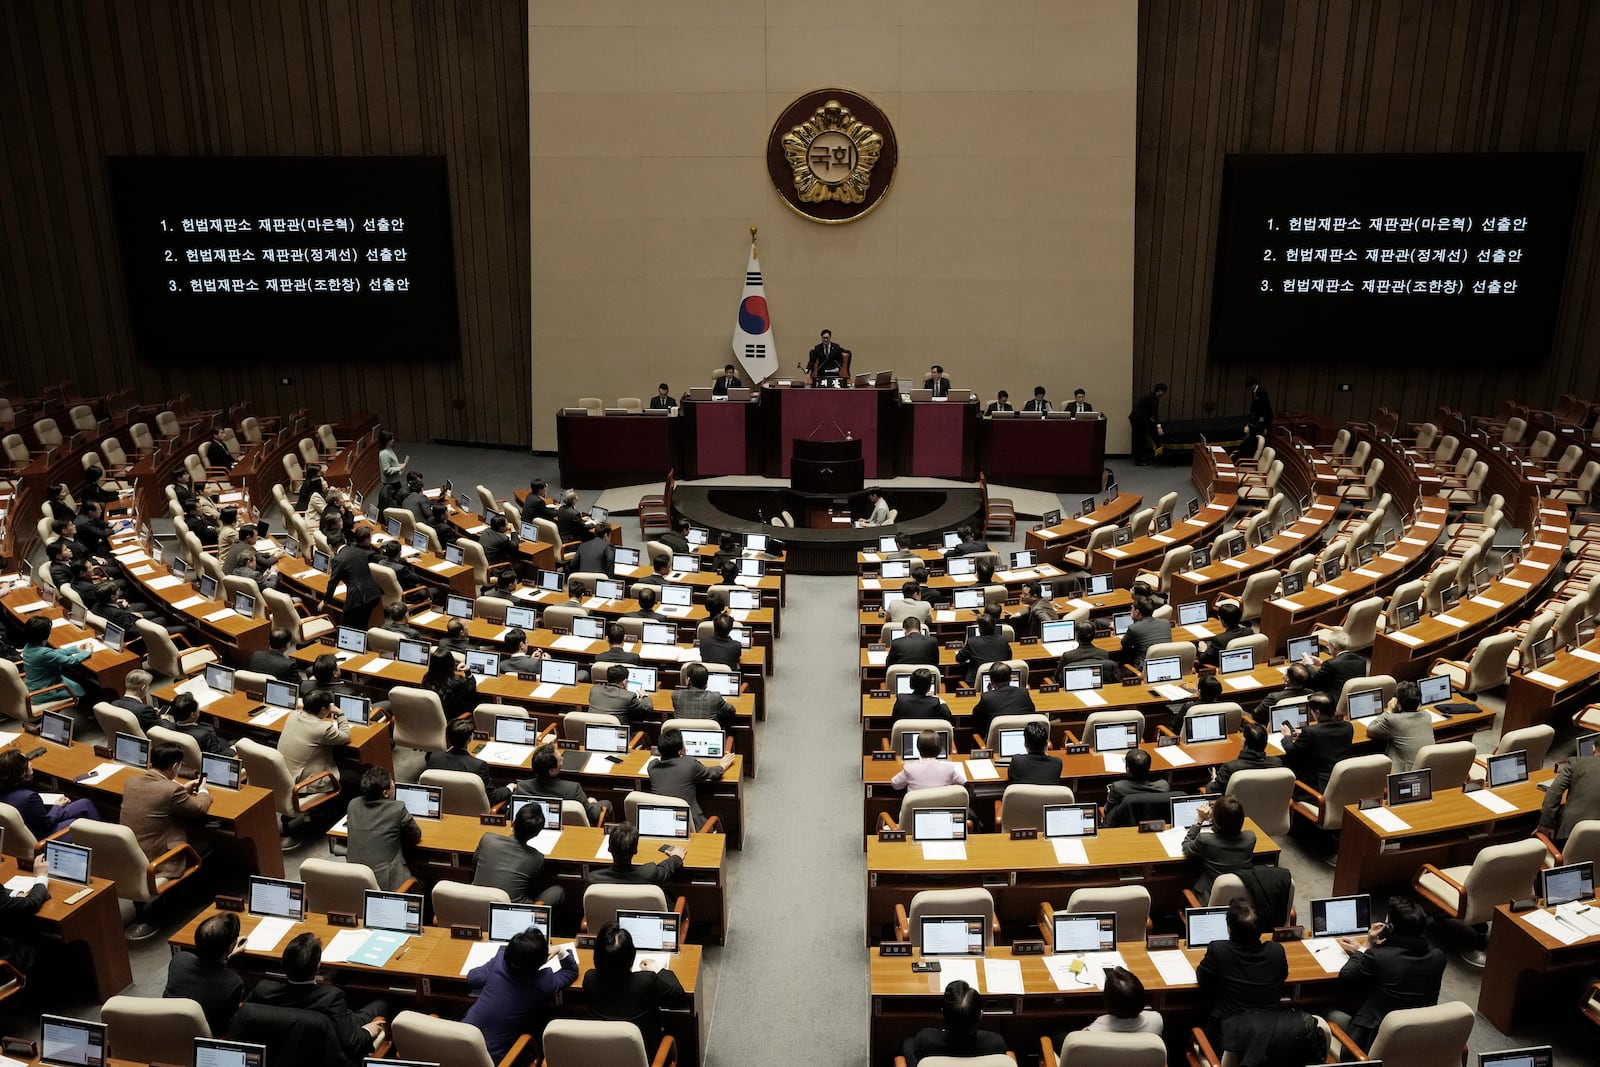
(17, 789)
(936, 382)
(1243, 973)
(457, 735)
(624, 841)
(1137, 782)
(613, 697)
(920, 703)
(391, 471)
(1227, 849)
(570, 522)
(675, 775)
(1145, 419)
(498, 551)
(1314, 749)
(618, 993)
(1040, 403)
(309, 739)
(1080, 403)
(1002, 402)
(1252, 757)
(695, 701)
(827, 361)
(968, 545)
(381, 829)
(1398, 969)
(1035, 766)
(217, 454)
(595, 554)
(46, 666)
(1146, 632)
(910, 605)
(513, 865)
(358, 1032)
(988, 645)
(517, 991)
(663, 400)
(353, 567)
(156, 807)
(729, 380)
(534, 505)
(720, 646)
(1404, 724)
(1003, 698)
(185, 712)
(1086, 654)
(202, 973)
(1330, 675)
(913, 646)
(1573, 796)
(274, 661)
(960, 1036)
(547, 782)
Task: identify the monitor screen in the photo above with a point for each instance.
(352, 640)
(642, 679)
(220, 771)
(702, 744)
(132, 750)
(1122, 622)
(1292, 712)
(54, 726)
(755, 542)
(723, 683)
(652, 931)
(1011, 743)
(600, 737)
(1574, 881)
(627, 557)
(986, 683)
(219, 678)
(952, 935)
(357, 709)
(686, 562)
(414, 652)
(422, 801)
(282, 694)
(1099, 584)
(1207, 726)
(1237, 661)
(1508, 768)
(1051, 518)
(1183, 810)
(610, 589)
(419, 540)
(558, 672)
(64, 1041)
(895, 569)
(1365, 704)
(752, 568)
(1022, 559)
(1192, 613)
(319, 560)
(1409, 787)
(1341, 916)
(458, 607)
(212, 1052)
(660, 633)
(520, 618)
(1201, 926)
(939, 824)
(277, 898)
(515, 730)
(908, 744)
(1201, 558)
(968, 599)
(399, 912)
(392, 527)
(1071, 820)
(663, 820)
(1163, 669)
(1061, 630)
(550, 581)
(1116, 736)
(67, 863)
(113, 636)
(677, 596)
(1586, 744)
(208, 586)
(486, 664)
(1083, 931)
(1408, 615)
(960, 566)
(1293, 583)
(1540, 1056)
(1301, 647)
(887, 544)
(508, 920)
(1074, 679)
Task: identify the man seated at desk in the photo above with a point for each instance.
(548, 782)
(1330, 675)
(1086, 654)
(1036, 611)
(1146, 632)
(185, 714)
(647, 608)
(202, 973)
(273, 661)
(1002, 402)
(729, 379)
(1573, 796)
(1252, 757)
(919, 703)
(498, 550)
(694, 701)
(719, 646)
(512, 865)
(879, 516)
(1003, 698)
(1040, 402)
(1314, 749)
(534, 505)
(455, 757)
(595, 554)
(936, 383)
(381, 830)
(570, 522)
(1298, 677)
(928, 771)
(136, 698)
(960, 1037)
(1137, 782)
(675, 775)
(910, 605)
(988, 645)
(1243, 973)
(913, 646)
(1035, 766)
(309, 739)
(517, 992)
(1226, 848)
(358, 1032)
(969, 545)
(156, 807)
(396, 619)
(1397, 968)
(616, 638)
(1404, 724)
(827, 362)
(1080, 404)
(663, 400)
(617, 992)
(613, 697)
(624, 841)
(1230, 613)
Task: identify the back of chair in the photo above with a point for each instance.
(1534, 740)
(560, 616)
(418, 718)
(117, 856)
(1085, 1049)
(335, 886)
(427, 1039)
(1023, 805)
(968, 901)
(484, 715)
(1264, 794)
(1449, 761)
(405, 518)
(1487, 667)
(1011, 722)
(1106, 718)
(265, 767)
(636, 797)
(191, 747)
(1260, 644)
(114, 720)
(19, 841)
(1582, 844)
(602, 901)
(1424, 1037)
(1130, 902)
(159, 650)
(574, 724)
(153, 1029)
(463, 792)
(1499, 875)
(593, 1043)
(1232, 709)
(944, 796)
(472, 555)
(460, 904)
(234, 584)
(1258, 589)
(1354, 779)
(1184, 650)
(1361, 622)
(1360, 685)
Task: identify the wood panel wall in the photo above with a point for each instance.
(86, 79)
(1350, 76)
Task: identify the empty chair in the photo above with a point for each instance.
(1583, 843)
(153, 1029)
(574, 724)
(460, 904)
(118, 857)
(602, 901)
(598, 1043)
(1367, 487)
(1140, 523)
(1258, 589)
(167, 660)
(1356, 463)
(1485, 670)
(1418, 1037)
(418, 718)
(1130, 902)
(1354, 779)
(18, 840)
(1469, 894)
(1265, 795)
(1084, 1048)
(114, 720)
(1450, 762)
(1083, 558)
(1360, 626)
(934, 902)
(335, 886)
(303, 629)
(1533, 741)
(1023, 805)
(1578, 491)
(1262, 486)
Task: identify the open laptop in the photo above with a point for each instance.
(1207, 726)
(1083, 931)
(1011, 742)
(1341, 916)
(1121, 622)
(281, 694)
(1182, 810)
(908, 744)
(723, 683)
(1025, 558)
(610, 589)
(652, 931)
(113, 636)
(939, 824)
(350, 641)
(1201, 926)
(663, 820)
(968, 599)
(1071, 820)
(355, 709)
(960, 566)
(321, 562)
(685, 563)
(515, 730)
(208, 586)
(1587, 744)
(520, 618)
(1533, 1056)
(458, 607)
(131, 750)
(1508, 768)
(276, 898)
(551, 806)
(413, 652)
(1116, 736)
(1301, 647)
(508, 920)
(744, 599)
(56, 727)
(224, 772)
(1163, 669)
(558, 672)
(422, 801)
(65, 1041)
(951, 935)
(214, 1052)
(1192, 613)
(1236, 661)
(484, 664)
(1099, 584)
(399, 912)
(549, 581)
(703, 744)
(641, 679)
(1436, 689)
(1365, 703)
(602, 737)
(1410, 787)
(660, 633)
(68, 863)
(1561, 885)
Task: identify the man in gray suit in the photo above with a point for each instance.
(1146, 632)
(910, 604)
(381, 829)
(512, 865)
(675, 775)
(547, 782)
(613, 697)
(1404, 725)
(1578, 781)
(616, 639)
(695, 701)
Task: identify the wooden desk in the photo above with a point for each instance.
(232, 715)
(1521, 961)
(1446, 831)
(869, 591)
(110, 669)
(92, 926)
(450, 841)
(1535, 696)
(248, 837)
(951, 625)
(235, 637)
(1227, 578)
(1022, 874)
(428, 973)
(1145, 553)
(1052, 542)
(1055, 455)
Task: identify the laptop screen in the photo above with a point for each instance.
(212, 1052)
(1586, 743)
(549, 581)
(221, 771)
(1071, 820)
(1508, 768)
(514, 730)
(352, 640)
(1541, 1056)
(610, 589)
(1022, 559)
(1407, 615)
(277, 898)
(1341, 916)
(652, 931)
(71, 1041)
(723, 683)
(642, 679)
(1365, 704)
(951, 935)
(663, 820)
(134, 751)
(319, 560)
(68, 863)
(422, 801)
(755, 542)
(660, 633)
(508, 920)
(677, 596)
(486, 664)
(414, 652)
(219, 678)
(523, 618)
(1201, 926)
(1163, 669)
(357, 709)
(208, 586)
(968, 599)
(696, 536)
(887, 544)
(1011, 743)
(1559, 885)
(400, 912)
(1192, 613)
(1237, 661)
(1084, 931)
(419, 540)
(458, 607)
(1060, 630)
(686, 562)
(1099, 584)
(702, 744)
(1116, 736)
(1301, 647)
(1183, 810)
(1409, 787)
(113, 636)
(986, 683)
(1122, 622)
(894, 569)
(392, 527)
(56, 727)
(559, 672)
(1291, 711)
(1208, 726)
(605, 738)
(551, 806)
(908, 744)
(1436, 689)
(960, 566)
(282, 694)
(1074, 679)
(939, 824)
(1292, 584)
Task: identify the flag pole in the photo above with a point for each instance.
(752, 240)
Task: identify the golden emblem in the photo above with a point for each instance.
(832, 154)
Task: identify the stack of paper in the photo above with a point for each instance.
(1175, 756)
(1002, 977)
(1070, 851)
(1552, 926)
(1174, 967)
(546, 690)
(1327, 953)
(980, 770)
(167, 581)
(267, 934)
(1387, 820)
(1115, 762)
(425, 618)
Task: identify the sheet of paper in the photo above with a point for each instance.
(345, 944)
(546, 691)
(479, 954)
(1551, 926)
(1546, 679)
(1581, 916)
(1405, 638)
(188, 602)
(653, 961)
(1173, 692)
(1060, 968)
(267, 934)
(944, 850)
(1326, 951)
(944, 616)
(442, 565)
(140, 571)
(101, 772)
(597, 764)
(166, 581)
(1059, 648)
(505, 752)
(980, 770)
(1090, 698)
(572, 643)
(1333, 587)
(1172, 841)
(877, 659)
(1493, 801)
(1451, 620)
(1175, 756)
(1114, 553)
(951, 970)
(1293, 535)
(52, 798)
(23, 883)
(1393, 557)
(377, 665)
(546, 839)
(1537, 565)
(268, 717)
(1241, 681)
(1588, 654)
(1275, 744)
(37, 605)
(1365, 573)
(1115, 762)
(1199, 633)
(1070, 851)
(604, 851)
(1173, 966)
(1414, 541)
(1517, 582)
(218, 616)
(1002, 977)
(1236, 563)
(1387, 820)
(426, 617)
(1486, 602)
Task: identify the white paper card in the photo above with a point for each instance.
(1241, 681)
(546, 839)
(23, 883)
(871, 583)
(1172, 691)
(347, 943)
(546, 690)
(218, 616)
(1115, 762)
(1070, 851)
(1090, 698)
(1486, 602)
(1406, 639)
(980, 770)
(268, 717)
(1172, 841)
(1387, 820)
(377, 665)
(480, 953)
(1174, 967)
(1451, 620)
(877, 659)
(426, 617)
(1365, 573)
(1584, 653)
(1002, 977)
(166, 581)
(572, 643)
(1514, 582)
(1326, 951)
(1199, 633)
(188, 602)
(1551, 926)
(267, 934)
(505, 752)
(1546, 679)
(597, 764)
(1175, 756)
(1495, 803)
(944, 850)
(958, 970)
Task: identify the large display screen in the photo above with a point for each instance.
(1425, 258)
(300, 256)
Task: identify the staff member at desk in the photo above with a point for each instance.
(1002, 402)
(936, 382)
(663, 400)
(720, 387)
(358, 1032)
(512, 864)
(534, 505)
(929, 771)
(960, 1037)
(517, 992)
(1080, 404)
(1035, 766)
(828, 362)
(919, 703)
(547, 782)
(1397, 969)
(618, 993)
(570, 522)
(1404, 725)
(1003, 698)
(1040, 402)
(624, 841)
(880, 510)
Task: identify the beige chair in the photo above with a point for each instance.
(1534, 741)
(191, 747)
(1580, 491)
(1418, 1037)
(19, 841)
(1106, 718)
(484, 715)
(1485, 670)
(1184, 650)
(575, 814)
(934, 902)
(944, 796)
(559, 617)
(602, 901)
(1450, 762)
(492, 609)
(428, 1039)
(1081, 1048)
(461, 904)
(1360, 685)
(1173, 561)
(1354, 779)
(1469, 894)
(419, 721)
(1583, 844)
(574, 724)
(1008, 722)
(114, 720)
(1367, 487)
(1083, 558)
(898, 731)
(251, 683)
(1130, 902)
(1265, 796)
(1261, 486)
(636, 797)
(463, 792)
(1023, 805)
(234, 584)
(1405, 593)
(1258, 589)
(1360, 625)
(472, 556)
(303, 629)
(597, 1043)
(24, 704)
(335, 886)
(1260, 644)
(118, 857)
(153, 1029)
(1466, 493)
(1356, 463)
(405, 518)
(294, 800)
(166, 659)
(631, 404)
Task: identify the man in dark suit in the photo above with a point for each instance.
(547, 782)
(826, 360)
(720, 646)
(1080, 403)
(969, 544)
(1573, 796)
(913, 646)
(729, 380)
(613, 697)
(616, 637)
(570, 522)
(92, 532)
(415, 500)
(1035, 766)
(1002, 402)
(185, 712)
(596, 554)
(1314, 749)
(647, 607)
(274, 660)
(1298, 675)
(358, 1031)
(695, 701)
(663, 400)
(136, 698)
(202, 973)
(1145, 419)
(353, 567)
(675, 538)
(624, 841)
(534, 505)
(217, 454)
(920, 703)
(1136, 783)
(391, 555)
(457, 735)
(1086, 654)
(1252, 757)
(1040, 404)
(1036, 611)
(1243, 973)
(381, 830)
(497, 547)
(1230, 614)
(1226, 849)
(1330, 675)
(988, 645)
(1146, 632)
(960, 1036)
(936, 382)
(615, 991)
(1398, 969)
(675, 775)
(512, 865)
(1003, 698)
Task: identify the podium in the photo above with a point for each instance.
(832, 468)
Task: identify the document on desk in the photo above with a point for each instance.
(604, 851)
(572, 643)
(1001, 977)
(1387, 820)
(1326, 951)
(140, 571)
(188, 602)
(1275, 744)
(1393, 557)
(1115, 762)
(871, 583)
(442, 565)
(980, 770)
(944, 850)
(944, 616)
(877, 659)
(480, 953)
(376, 665)
(344, 944)
(1059, 648)
(545, 840)
(426, 617)
(1070, 851)
(100, 773)
(21, 884)
(1199, 633)
(1172, 841)
(1493, 801)
(1173, 966)
(505, 752)
(267, 934)
(1451, 620)
(1091, 699)
(203, 694)
(1546, 679)
(1584, 653)
(1486, 602)
(597, 764)
(1242, 681)
(1175, 756)
(546, 691)
(220, 614)
(380, 947)
(1517, 582)
(1551, 926)
(1580, 916)
(268, 717)
(167, 581)
(1405, 638)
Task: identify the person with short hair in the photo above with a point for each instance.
(498, 550)
(416, 500)
(397, 619)
(1035, 766)
(202, 973)
(988, 645)
(1404, 723)
(1252, 757)
(136, 698)
(693, 700)
(184, 711)
(448, 679)
(910, 605)
(571, 523)
(879, 515)
(663, 400)
(720, 646)
(1573, 796)
(392, 555)
(274, 661)
(1003, 698)
(827, 362)
(936, 383)
(616, 647)
(1227, 849)
(1330, 675)
(1231, 614)
(920, 703)
(353, 567)
(928, 772)
(913, 646)
(1146, 632)
(613, 697)
(46, 667)
(455, 757)
(41, 819)
(1002, 402)
(1298, 677)
(310, 736)
(1314, 749)
(1396, 969)
(615, 991)
(595, 554)
(517, 992)
(1145, 420)
(381, 830)
(357, 1032)
(1136, 782)
(156, 807)
(548, 782)
(646, 599)
(1040, 404)
(675, 775)
(1243, 973)
(1128, 1010)
(1080, 404)
(513, 865)
(960, 1036)
(623, 838)
(1036, 611)
(1086, 654)
(729, 379)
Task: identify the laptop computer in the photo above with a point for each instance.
(1540, 653)
(1408, 615)
(215, 1052)
(659, 633)
(422, 801)
(1182, 810)
(723, 683)
(1331, 569)
(113, 636)
(960, 566)
(208, 586)
(663, 820)
(1116, 736)
(549, 581)
(1025, 558)
(219, 678)
(939, 824)
(1410, 787)
(1099, 584)
(1207, 726)
(508, 920)
(1236, 661)
(276, 898)
(399, 912)
(1508, 768)
(676, 596)
(1301, 647)
(1192, 613)
(602, 737)
(1201, 926)
(1533, 1056)
(351, 640)
(968, 599)
(951, 935)
(515, 730)
(1071, 820)
(550, 805)
(642, 679)
(484, 664)
(71, 1042)
(56, 727)
(1341, 916)
(1083, 931)
(281, 694)
(455, 555)
(1587, 743)
(558, 672)
(1292, 711)
(1561, 885)
(132, 750)
(521, 618)
(610, 589)
(1201, 558)
(413, 652)
(68, 863)
(1163, 669)
(1076, 679)
(703, 744)
(1122, 622)
(224, 772)
(1436, 689)
(458, 607)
